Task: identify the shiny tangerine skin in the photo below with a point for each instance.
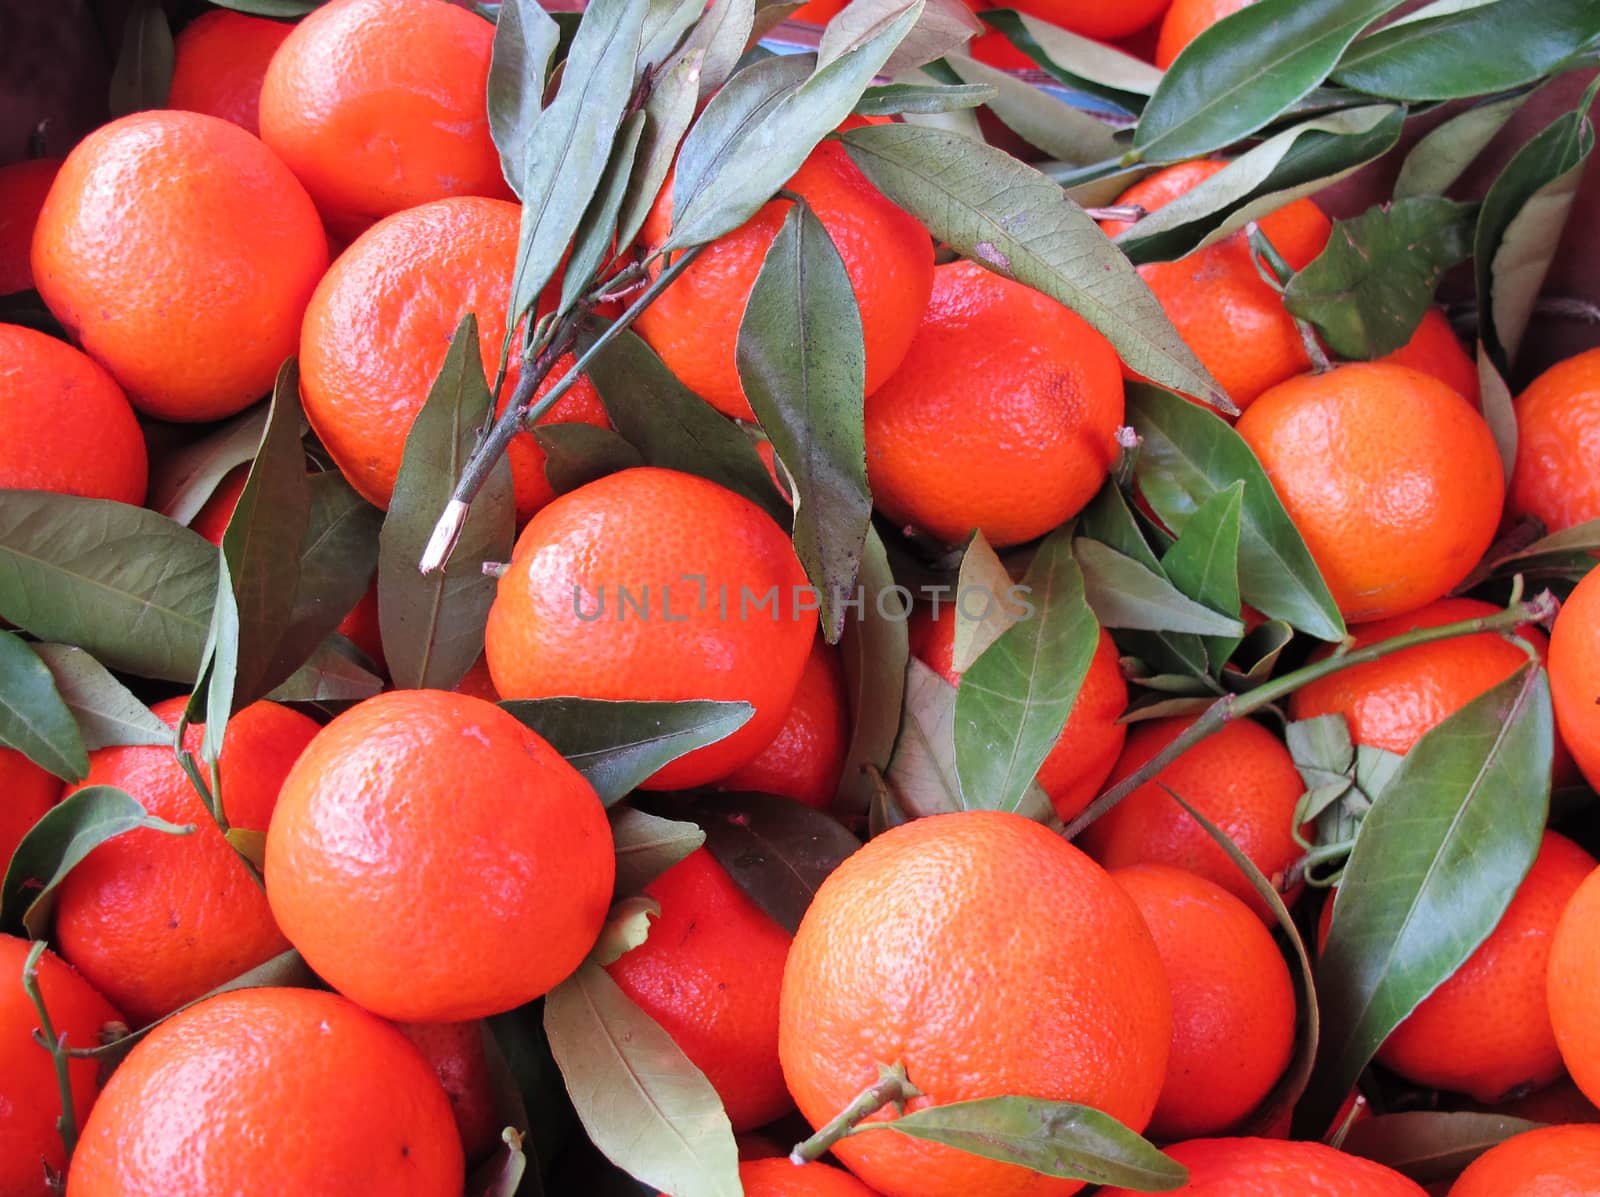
(988, 956)
(688, 550)
(1573, 981)
(1089, 18)
(436, 861)
(805, 759)
(455, 1052)
(219, 62)
(1575, 674)
(709, 973)
(29, 1093)
(1552, 1161)
(1083, 756)
(1391, 477)
(1556, 479)
(1002, 416)
(381, 105)
(29, 792)
(1435, 349)
(1187, 20)
(779, 1178)
(1241, 778)
(23, 186)
(65, 425)
(179, 253)
(155, 920)
(1233, 1003)
(269, 1091)
(694, 324)
(1278, 1168)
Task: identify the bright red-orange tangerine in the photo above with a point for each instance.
(220, 59)
(1556, 479)
(804, 760)
(23, 186)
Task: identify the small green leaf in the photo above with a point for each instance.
(1066, 133)
(802, 363)
(1110, 520)
(328, 675)
(647, 846)
(285, 10)
(211, 701)
(1188, 455)
(126, 584)
(626, 927)
(1081, 63)
(873, 651)
(142, 75)
(1437, 860)
(892, 99)
(667, 114)
(34, 720)
(1439, 158)
(1369, 289)
(525, 37)
(1204, 564)
(922, 773)
(719, 39)
(183, 480)
(577, 454)
(618, 745)
(1498, 411)
(1125, 594)
(432, 624)
(62, 837)
(1430, 1145)
(776, 849)
(982, 575)
(1056, 1138)
(941, 27)
(641, 1101)
(106, 711)
(596, 239)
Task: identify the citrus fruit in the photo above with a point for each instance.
(1553, 1161)
(477, 682)
(1187, 20)
(1233, 1004)
(380, 105)
(1575, 674)
(1560, 1102)
(987, 956)
(817, 12)
(29, 1092)
(1001, 417)
(1573, 985)
(780, 1178)
(154, 920)
(1241, 778)
(1556, 479)
(455, 1052)
(1391, 477)
(694, 323)
(709, 973)
(435, 861)
(219, 61)
(1278, 1168)
(1435, 349)
(805, 759)
(1087, 749)
(23, 186)
(1103, 22)
(28, 791)
(179, 252)
(654, 585)
(65, 425)
(267, 1091)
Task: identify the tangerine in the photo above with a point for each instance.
(23, 186)
(1435, 349)
(1186, 20)
(29, 792)
(805, 759)
(1575, 674)
(1556, 478)
(1552, 1161)
(219, 61)
(1573, 982)
(1278, 1168)
(455, 1052)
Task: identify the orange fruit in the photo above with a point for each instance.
(780, 1178)
(1390, 475)
(988, 956)
(180, 253)
(1103, 22)
(1241, 778)
(360, 626)
(709, 973)
(1002, 417)
(1077, 766)
(266, 1091)
(23, 186)
(155, 920)
(65, 425)
(694, 323)
(28, 792)
(1487, 1030)
(1556, 479)
(380, 105)
(1553, 1161)
(1575, 674)
(1187, 20)
(379, 325)
(477, 682)
(1233, 1004)
(1278, 1168)
(817, 12)
(1574, 982)
(220, 59)
(1560, 1102)
(1435, 349)
(455, 1052)
(805, 759)
(653, 585)
(29, 1092)
(435, 861)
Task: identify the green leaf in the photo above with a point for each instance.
(641, 1101)
(1430, 1145)
(577, 454)
(665, 23)
(1066, 133)
(922, 772)
(617, 745)
(1204, 564)
(1014, 700)
(1494, 396)
(328, 675)
(520, 1043)
(1245, 70)
(1463, 53)
(776, 849)
(62, 837)
(33, 718)
(1110, 520)
(667, 113)
(647, 846)
(128, 585)
(1056, 1138)
(596, 239)
(892, 99)
(873, 651)
(211, 701)
(802, 363)
(1438, 858)
(1010, 218)
(106, 711)
(1188, 455)
(183, 480)
(286, 10)
(432, 624)
(941, 26)
(1439, 158)
(142, 75)
(982, 574)
(719, 39)
(525, 37)
(1369, 289)
(1079, 62)
(1124, 593)
(626, 927)
(674, 428)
